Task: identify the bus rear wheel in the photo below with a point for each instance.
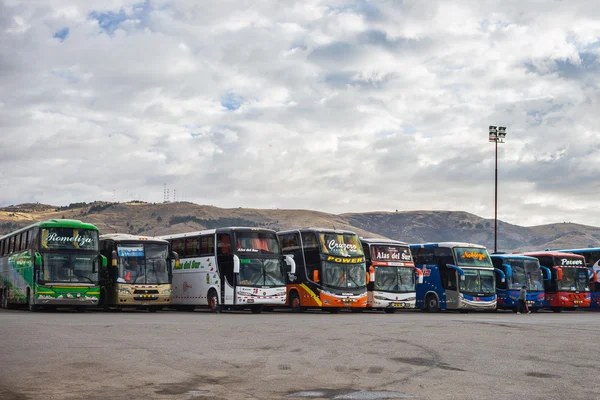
(213, 302)
(431, 303)
(295, 303)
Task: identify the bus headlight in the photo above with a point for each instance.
(124, 291)
(167, 291)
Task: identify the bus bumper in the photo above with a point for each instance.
(466, 304)
(82, 300)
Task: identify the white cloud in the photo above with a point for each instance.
(334, 106)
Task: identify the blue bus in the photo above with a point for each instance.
(456, 276)
(592, 261)
(512, 273)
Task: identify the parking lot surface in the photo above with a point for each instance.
(313, 355)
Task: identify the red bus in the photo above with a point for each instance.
(569, 284)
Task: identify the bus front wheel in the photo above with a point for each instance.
(295, 303)
(213, 302)
(432, 303)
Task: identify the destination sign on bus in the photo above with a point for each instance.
(390, 253)
(341, 244)
(131, 250)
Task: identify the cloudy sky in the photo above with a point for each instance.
(336, 106)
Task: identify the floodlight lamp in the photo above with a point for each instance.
(502, 132)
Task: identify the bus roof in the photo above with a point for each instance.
(126, 237)
(586, 250)
(320, 230)
(56, 223)
(513, 256)
(382, 241)
(213, 231)
(549, 254)
(446, 244)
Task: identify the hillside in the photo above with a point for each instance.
(409, 226)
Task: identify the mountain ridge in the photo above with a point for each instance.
(410, 226)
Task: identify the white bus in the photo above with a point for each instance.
(233, 268)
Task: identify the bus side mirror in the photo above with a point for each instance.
(177, 262)
(236, 264)
(559, 274)
(594, 277)
(420, 274)
(114, 259)
(289, 260)
(38, 260)
(104, 261)
(316, 275)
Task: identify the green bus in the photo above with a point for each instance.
(51, 264)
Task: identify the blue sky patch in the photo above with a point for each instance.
(61, 34)
(232, 101)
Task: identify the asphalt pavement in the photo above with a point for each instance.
(313, 355)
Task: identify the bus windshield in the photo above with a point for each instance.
(257, 242)
(390, 253)
(69, 239)
(478, 282)
(340, 244)
(261, 272)
(68, 268)
(574, 280)
(472, 257)
(525, 272)
(344, 275)
(143, 263)
(395, 279)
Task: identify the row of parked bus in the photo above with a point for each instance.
(66, 263)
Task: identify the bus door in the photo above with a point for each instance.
(449, 277)
(225, 268)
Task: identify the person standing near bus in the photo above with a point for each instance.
(523, 300)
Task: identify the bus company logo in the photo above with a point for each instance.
(571, 262)
(426, 272)
(186, 286)
(345, 260)
(80, 240)
(248, 250)
(474, 254)
(333, 245)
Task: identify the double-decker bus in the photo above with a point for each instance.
(391, 283)
(331, 273)
(569, 283)
(592, 260)
(234, 268)
(515, 271)
(456, 276)
(51, 264)
(139, 273)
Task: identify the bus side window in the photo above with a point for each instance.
(178, 246)
(366, 252)
(207, 246)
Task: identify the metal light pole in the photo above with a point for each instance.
(497, 135)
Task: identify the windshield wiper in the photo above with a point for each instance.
(83, 276)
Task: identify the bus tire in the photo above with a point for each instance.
(432, 304)
(213, 302)
(557, 309)
(389, 310)
(256, 309)
(295, 303)
(30, 300)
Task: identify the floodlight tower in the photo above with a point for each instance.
(497, 135)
